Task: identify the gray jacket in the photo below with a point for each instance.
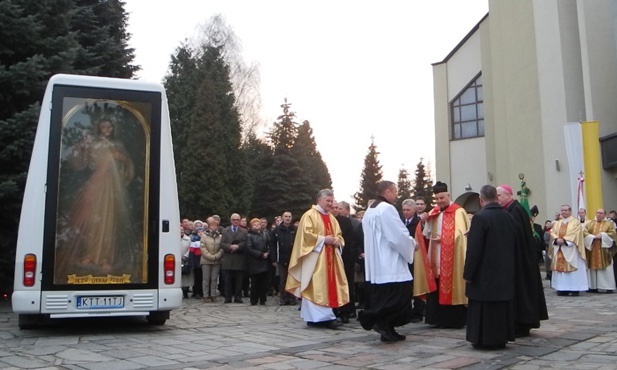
(234, 260)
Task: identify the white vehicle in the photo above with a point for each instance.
(99, 228)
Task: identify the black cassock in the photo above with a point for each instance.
(529, 299)
(489, 268)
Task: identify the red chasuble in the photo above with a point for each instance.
(330, 263)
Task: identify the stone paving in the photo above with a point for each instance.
(581, 334)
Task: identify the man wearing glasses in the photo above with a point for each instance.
(233, 243)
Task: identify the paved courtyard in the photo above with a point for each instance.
(581, 334)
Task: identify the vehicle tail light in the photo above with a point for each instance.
(29, 269)
(169, 266)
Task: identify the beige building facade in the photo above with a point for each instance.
(505, 93)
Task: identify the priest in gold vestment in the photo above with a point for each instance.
(316, 272)
(568, 255)
(600, 237)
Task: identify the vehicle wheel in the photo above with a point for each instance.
(157, 317)
(29, 321)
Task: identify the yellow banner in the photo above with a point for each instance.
(89, 279)
(592, 160)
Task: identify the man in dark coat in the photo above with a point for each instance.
(411, 219)
(281, 244)
(529, 299)
(349, 256)
(233, 242)
(489, 273)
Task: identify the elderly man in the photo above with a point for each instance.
(446, 228)
(411, 219)
(599, 242)
(233, 243)
(316, 272)
(529, 297)
(568, 254)
(349, 255)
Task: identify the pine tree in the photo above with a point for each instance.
(404, 188)
(371, 176)
(290, 178)
(211, 167)
(259, 158)
(37, 40)
(422, 184)
(100, 27)
(309, 158)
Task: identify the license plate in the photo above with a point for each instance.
(98, 302)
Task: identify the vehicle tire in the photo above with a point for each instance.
(29, 321)
(157, 317)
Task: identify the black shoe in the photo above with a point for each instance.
(574, 294)
(345, 319)
(387, 339)
(238, 300)
(416, 319)
(353, 315)
(399, 337)
(262, 303)
(332, 324)
(386, 335)
(253, 304)
(228, 301)
(609, 291)
(592, 291)
(562, 293)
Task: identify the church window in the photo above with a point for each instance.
(467, 111)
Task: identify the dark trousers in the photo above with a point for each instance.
(286, 298)
(233, 284)
(259, 287)
(350, 273)
(198, 290)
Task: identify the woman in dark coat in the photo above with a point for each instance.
(258, 262)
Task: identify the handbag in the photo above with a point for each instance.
(186, 269)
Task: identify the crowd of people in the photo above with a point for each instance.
(440, 266)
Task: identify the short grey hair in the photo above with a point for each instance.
(344, 205)
(408, 202)
(325, 193)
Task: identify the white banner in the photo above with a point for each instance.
(574, 149)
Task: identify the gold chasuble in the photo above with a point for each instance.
(599, 251)
(564, 259)
(423, 278)
(317, 277)
(447, 256)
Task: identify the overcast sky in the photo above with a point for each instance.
(353, 69)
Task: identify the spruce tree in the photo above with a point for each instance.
(37, 40)
(309, 159)
(404, 188)
(370, 177)
(259, 159)
(422, 184)
(289, 178)
(212, 172)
